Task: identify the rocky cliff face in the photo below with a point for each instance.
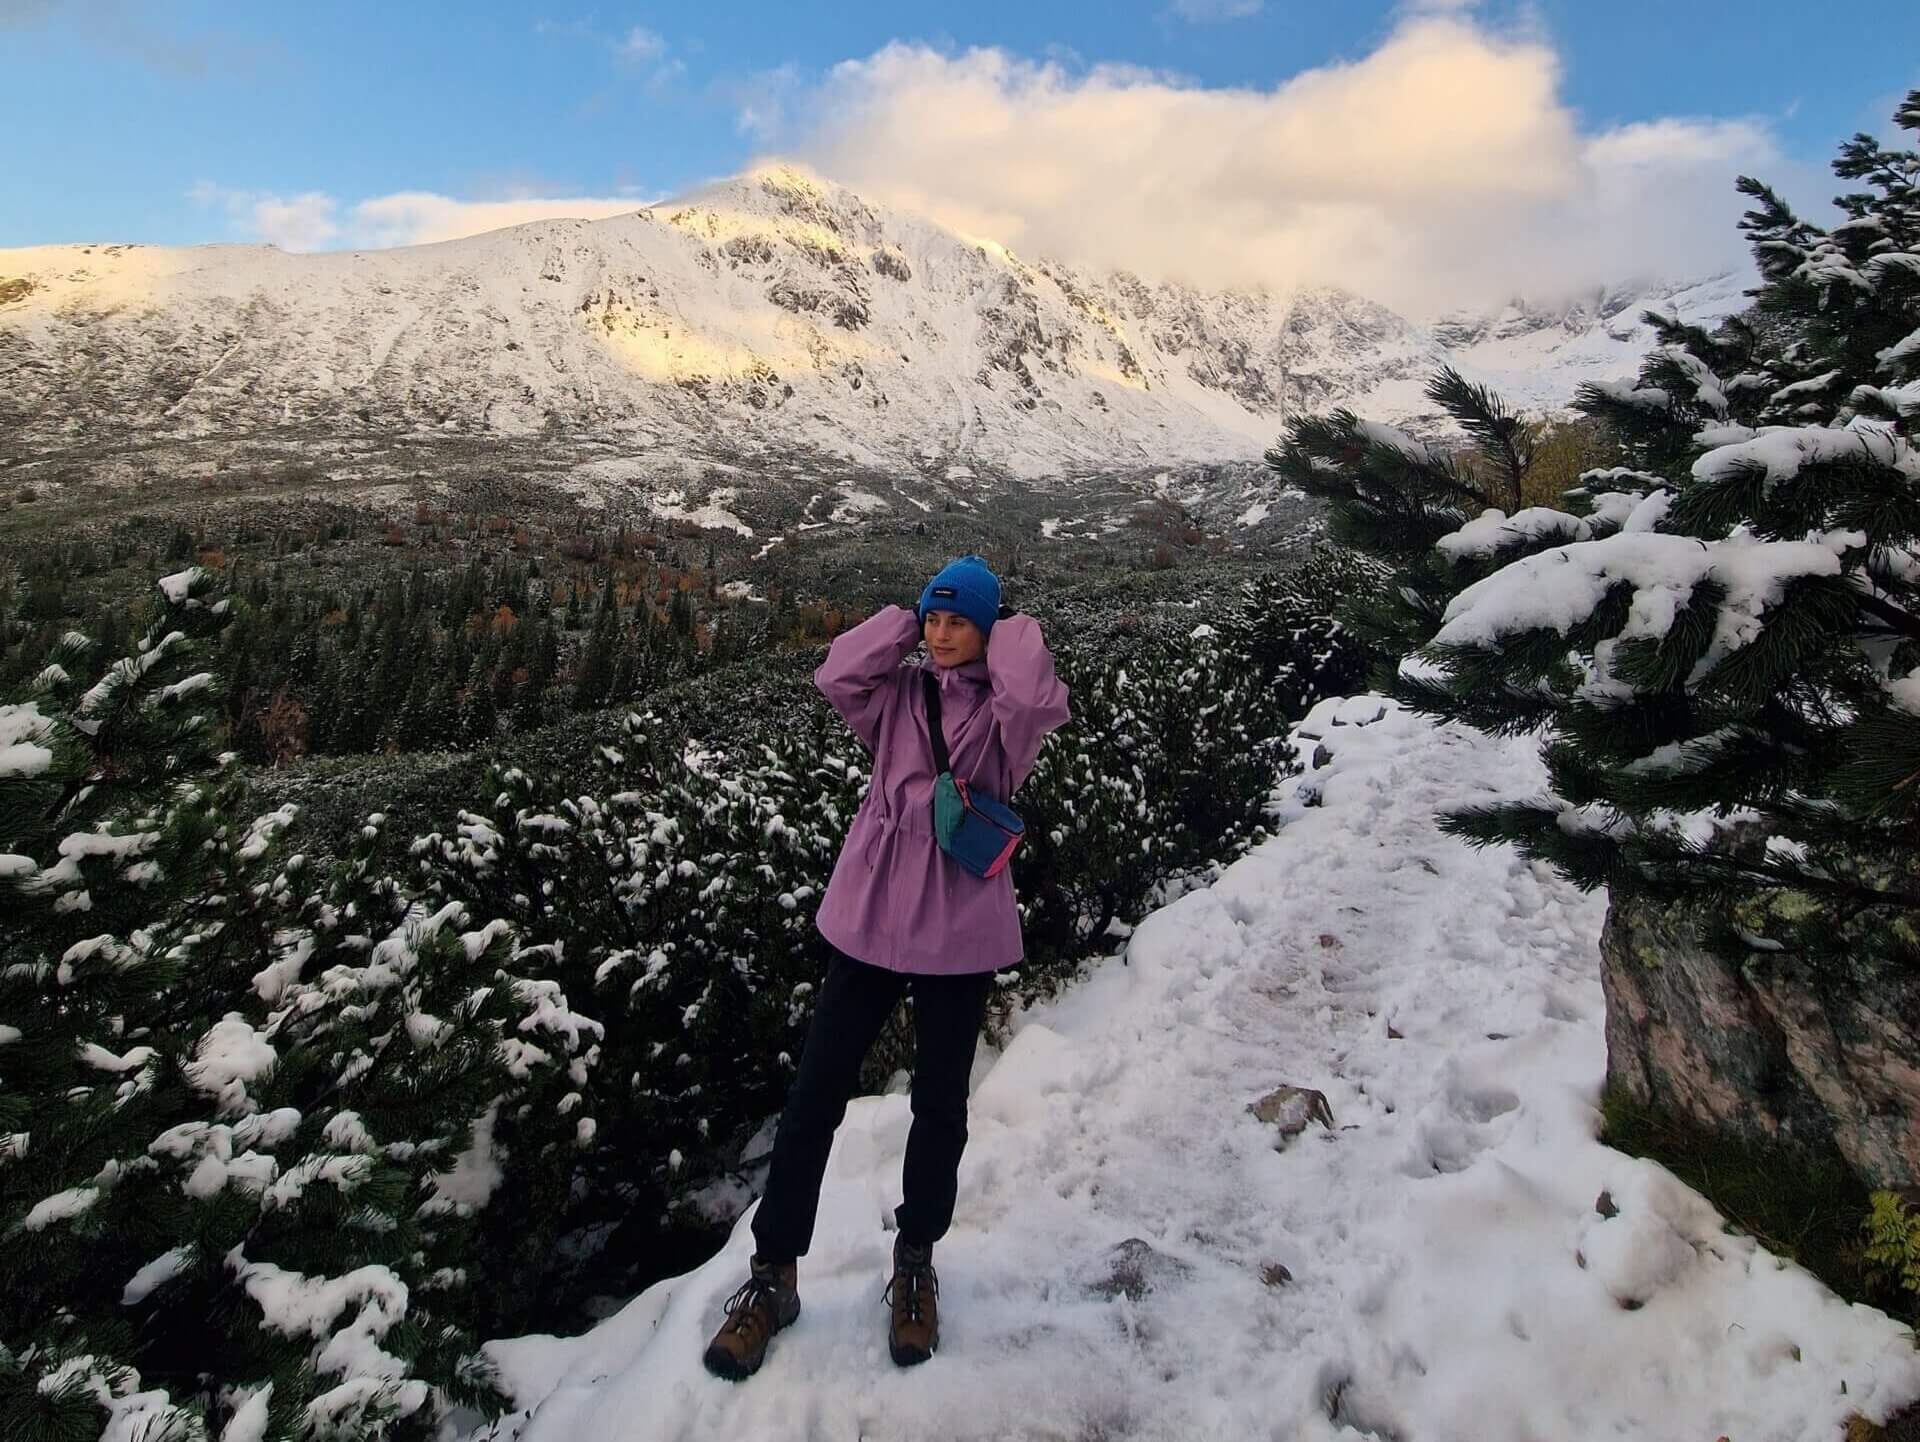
(1615, 309)
(1764, 1052)
(776, 310)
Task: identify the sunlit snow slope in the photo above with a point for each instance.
(773, 310)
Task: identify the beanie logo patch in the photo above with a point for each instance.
(946, 592)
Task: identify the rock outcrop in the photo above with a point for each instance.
(1763, 1048)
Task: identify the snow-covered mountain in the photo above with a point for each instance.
(773, 311)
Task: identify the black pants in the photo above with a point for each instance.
(855, 1001)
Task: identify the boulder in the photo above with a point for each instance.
(1763, 1047)
(1288, 1109)
(1135, 1267)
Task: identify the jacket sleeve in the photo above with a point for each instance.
(1028, 699)
(860, 663)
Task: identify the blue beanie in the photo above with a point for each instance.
(966, 587)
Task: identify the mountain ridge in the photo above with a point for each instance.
(774, 310)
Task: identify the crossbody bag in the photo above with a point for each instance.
(974, 829)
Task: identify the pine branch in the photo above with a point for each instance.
(1485, 417)
(1899, 621)
(1881, 776)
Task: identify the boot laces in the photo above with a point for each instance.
(752, 1303)
(913, 1276)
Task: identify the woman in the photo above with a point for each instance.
(902, 914)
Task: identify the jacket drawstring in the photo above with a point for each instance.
(883, 827)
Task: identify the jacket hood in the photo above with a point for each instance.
(967, 673)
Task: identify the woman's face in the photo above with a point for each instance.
(952, 640)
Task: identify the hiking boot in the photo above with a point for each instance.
(767, 1301)
(914, 1294)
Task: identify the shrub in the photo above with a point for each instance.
(287, 1145)
(253, 1121)
(1893, 1241)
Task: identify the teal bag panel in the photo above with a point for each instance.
(948, 810)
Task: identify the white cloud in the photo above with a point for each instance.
(300, 222)
(307, 221)
(648, 51)
(1441, 169)
(641, 45)
(316, 221)
(763, 101)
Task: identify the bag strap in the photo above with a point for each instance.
(942, 763)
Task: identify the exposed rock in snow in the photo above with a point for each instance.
(1288, 1109)
(1135, 1267)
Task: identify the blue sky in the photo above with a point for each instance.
(194, 121)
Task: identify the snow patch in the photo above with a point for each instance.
(229, 1056)
(25, 740)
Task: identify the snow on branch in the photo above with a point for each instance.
(297, 1305)
(1647, 398)
(1876, 267)
(1897, 400)
(1781, 451)
(176, 588)
(1900, 350)
(1706, 385)
(1393, 438)
(1905, 692)
(1559, 589)
(25, 737)
(228, 1056)
(1493, 530)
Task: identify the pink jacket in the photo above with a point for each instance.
(896, 900)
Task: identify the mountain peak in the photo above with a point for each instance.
(778, 191)
(775, 311)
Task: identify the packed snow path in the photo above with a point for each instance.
(1450, 1276)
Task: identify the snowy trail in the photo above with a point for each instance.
(1450, 1277)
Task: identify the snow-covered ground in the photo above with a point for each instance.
(1111, 1270)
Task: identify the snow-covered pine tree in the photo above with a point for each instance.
(1285, 626)
(1394, 497)
(1721, 637)
(250, 1129)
